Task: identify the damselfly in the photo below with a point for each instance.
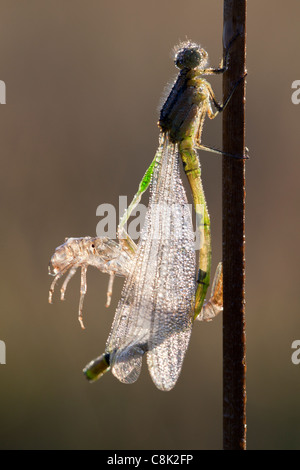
(160, 298)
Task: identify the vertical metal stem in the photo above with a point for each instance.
(234, 362)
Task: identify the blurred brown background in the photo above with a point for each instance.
(84, 83)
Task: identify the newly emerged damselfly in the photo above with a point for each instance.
(161, 295)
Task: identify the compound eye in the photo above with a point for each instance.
(189, 58)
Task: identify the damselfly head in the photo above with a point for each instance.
(189, 55)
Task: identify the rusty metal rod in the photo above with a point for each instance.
(234, 338)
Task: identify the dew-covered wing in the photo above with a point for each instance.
(154, 315)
